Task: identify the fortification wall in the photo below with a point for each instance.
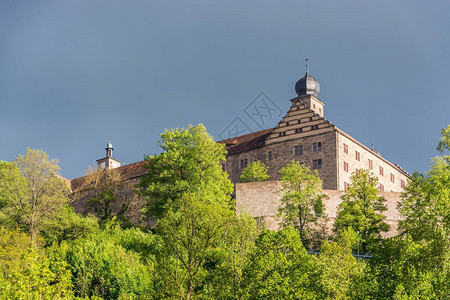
(261, 200)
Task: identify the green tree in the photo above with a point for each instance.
(444, 143)
(189, 235)
(31, 191)
(407, 269)
(255, 172)
(302, 201)
(68, 225)
(189, 163)
(279, 268)
(362, 210)
(338, 267)
(424, 241)
(28, 274)
(226, 264)
(101, 267)
(107, 194)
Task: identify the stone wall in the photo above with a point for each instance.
(389, 184)
(261, 200)
(283, 153)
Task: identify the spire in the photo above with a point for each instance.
(307, 66)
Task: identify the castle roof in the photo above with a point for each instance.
(130, 171)
(246, 142)
(375, 152)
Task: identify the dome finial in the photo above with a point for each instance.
(307, 85)
(109, 148)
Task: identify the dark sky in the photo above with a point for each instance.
(75, 73)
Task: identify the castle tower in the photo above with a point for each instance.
(108, 162)
(306, 115)
(307, 89)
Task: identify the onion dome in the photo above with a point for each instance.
(307, 85)
(109, 145)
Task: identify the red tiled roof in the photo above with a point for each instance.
(130, 171)
(67, 181)
(247, 141)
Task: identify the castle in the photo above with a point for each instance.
(304, 135)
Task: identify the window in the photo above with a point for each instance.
(358, 156)
(244, 163)
(392, 178)
(381, 188)
(299, 121)
(314, 127)
(381, 171)
(284, 133)
(317, 146)
(370, 164)
(269, 155)
(314, 106)
(317, 164)
(357, 172)
(298, 150)
(287, 123)
(345, 166)
(402, 184)
(345, 186)
(310, 118)
(345, 148)
(298, 130)
(280, 134)
(223, 167)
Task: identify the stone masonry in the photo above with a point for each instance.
(261, 200)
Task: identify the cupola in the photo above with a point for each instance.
(307, 85)
(108, 162)
(307, 89)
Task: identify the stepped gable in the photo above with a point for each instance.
(127, 172)
(246, 142)
(300, 121)
(376, 153)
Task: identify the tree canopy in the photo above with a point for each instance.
(362, 210)
(201, 249)
(255, 172)
(31, 191)
(189, 163)
(302, 201)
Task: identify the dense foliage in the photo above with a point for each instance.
(362, 210)
(200, 248)
(302, 203)
(255, 172)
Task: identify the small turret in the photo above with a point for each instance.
(108, 162)
(307, 89)
(109, 149)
